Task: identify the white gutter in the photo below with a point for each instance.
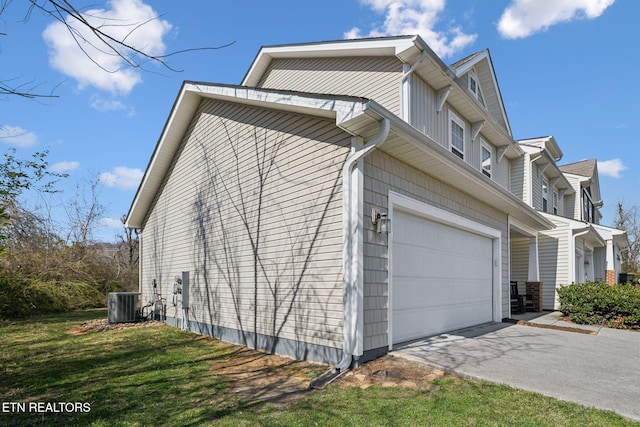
(353, 296)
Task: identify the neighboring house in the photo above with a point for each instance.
(577, 249)
(346, 197)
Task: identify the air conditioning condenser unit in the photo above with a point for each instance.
(123, 307)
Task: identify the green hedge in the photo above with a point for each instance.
(21, 298)
(600, 304)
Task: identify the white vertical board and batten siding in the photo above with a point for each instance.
(376, 78)
(536, 188)
(198, 223)
(491, 99)
(383, 173)
(425, 117)
(573, 203)
(519, 186)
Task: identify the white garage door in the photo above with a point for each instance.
(442, 278)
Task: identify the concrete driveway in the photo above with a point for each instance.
(600, 370)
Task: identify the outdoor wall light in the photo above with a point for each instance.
(381, 221)
(586, 262)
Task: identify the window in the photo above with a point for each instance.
(486, 159)
(545, 193)
(588, 210)
(457, 135)
(474, 86)
(555, 202)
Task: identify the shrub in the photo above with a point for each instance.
(20, 298)
(598, 303)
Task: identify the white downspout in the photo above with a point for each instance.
(352, 302)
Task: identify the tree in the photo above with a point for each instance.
(18, 175)
(628, 219)
(91, 33)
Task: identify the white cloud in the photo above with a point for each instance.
(111, 223)
(106, 105)
(523, 18)
(404, 17)
(65, 166)
(122, 177)
(611, 168)
(18, 137)
(130, 20)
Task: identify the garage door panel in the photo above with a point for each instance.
(442, 278)
(443, 318)
(413, 293)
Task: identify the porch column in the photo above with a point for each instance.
(610, 268)
(534, 270)
(534, 289)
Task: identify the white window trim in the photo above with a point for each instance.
(555, 201)
(477, 94)
(454, 118)
(484, 144)
(545, 183)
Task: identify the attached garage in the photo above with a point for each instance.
(442, 272)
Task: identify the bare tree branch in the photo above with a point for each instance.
(78, 23)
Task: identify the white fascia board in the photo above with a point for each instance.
(467, 66)
(340, 109)
(427, 144)
(577, 227)
(609, 233)
(549, 143)
(179, 119)
(391, 46)
(482, 56)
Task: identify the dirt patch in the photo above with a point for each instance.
(258, 376)
(391, 371)
(102, 325)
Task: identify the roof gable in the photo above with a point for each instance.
(586, 168)
(384, 46)
(480, 63)
(548, 143)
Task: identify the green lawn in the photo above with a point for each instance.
(163, 376)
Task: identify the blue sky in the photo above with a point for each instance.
(562, 66)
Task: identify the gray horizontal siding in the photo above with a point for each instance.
(376, 78)
(245, 178)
